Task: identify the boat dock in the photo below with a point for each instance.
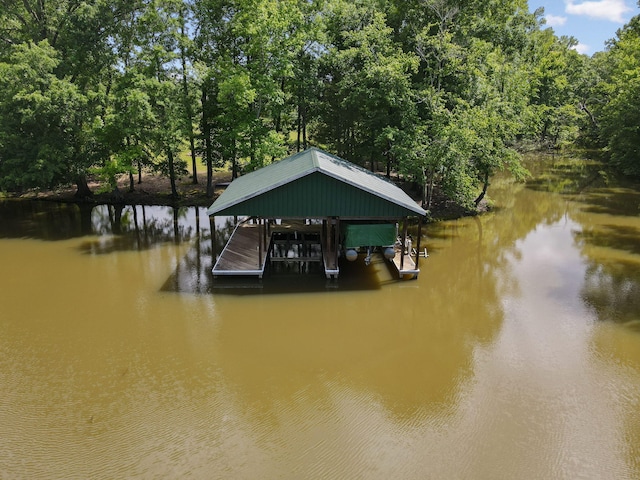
(253, 246)
(303, 206)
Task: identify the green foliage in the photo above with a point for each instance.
(620, 114)
(109, 173)
(41, 119)
(366, 83)
(440, 92)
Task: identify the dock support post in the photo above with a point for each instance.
(264, 234)
(336, 242)
(259, 244)
(327, 232)
(212, 227)
(327, 237)
(418, 245)
(405, 226)
(323, 232)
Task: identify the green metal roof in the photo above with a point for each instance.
(314, 184)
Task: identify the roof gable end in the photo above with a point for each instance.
(305, 163)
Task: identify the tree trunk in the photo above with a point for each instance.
(299, 122)
(209, 156)
(583, 107)
(234, 162)
(206, 137)
(209, 177)
(303, 119)
(116, 196)
(83, 191)
(427, 197)
(189, 115)
(172, 174)
(252, 147)
(389, 162)
(305, 143)
(485, 186)
(193, 157)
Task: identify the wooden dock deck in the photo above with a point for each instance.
(241, 254)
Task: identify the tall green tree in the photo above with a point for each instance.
(620, 90)
(42, 120)
(185, 46)
(157, 60)
(366, 84)
(553, 65)
(471, 95)
(249, 47)
(78, 36)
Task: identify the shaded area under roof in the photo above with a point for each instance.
(314, 184)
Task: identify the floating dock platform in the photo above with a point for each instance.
(406, 265)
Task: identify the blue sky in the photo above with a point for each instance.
(592, 22)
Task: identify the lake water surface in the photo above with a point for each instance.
(515, 354)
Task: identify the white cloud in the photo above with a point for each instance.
(555, 20)
(612, 10)
(582, 48)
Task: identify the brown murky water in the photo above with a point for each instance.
(516, 354)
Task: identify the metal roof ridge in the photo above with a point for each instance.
(314, 157)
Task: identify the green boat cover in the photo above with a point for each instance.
(365, 235)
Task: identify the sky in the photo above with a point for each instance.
(591, 22)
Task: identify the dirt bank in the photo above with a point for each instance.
(155, 190)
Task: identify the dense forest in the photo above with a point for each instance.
(443, 92)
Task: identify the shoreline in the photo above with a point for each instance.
(153, 190)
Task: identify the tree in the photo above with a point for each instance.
(249, 47)
(555, 68)
(127, 116)
(159, 33)
(126, 128)
(78, 37)
(185, 45)
(42, 120)
(366, 84)
(437, 153)
(471, 94)
(620, 113)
